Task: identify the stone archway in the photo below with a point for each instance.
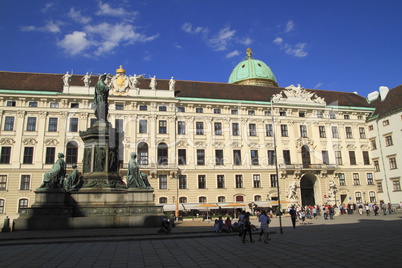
(308, 189)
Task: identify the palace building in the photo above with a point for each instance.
(197, 141)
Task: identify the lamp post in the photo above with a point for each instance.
(176, 213)
(276, 168)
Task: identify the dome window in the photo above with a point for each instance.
(259, 64)
(244, 65)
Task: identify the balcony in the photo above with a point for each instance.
(327, 168)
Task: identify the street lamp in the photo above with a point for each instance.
(276, 168)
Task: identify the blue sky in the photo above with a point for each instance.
(332, 45)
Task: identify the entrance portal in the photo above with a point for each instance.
(307, 189)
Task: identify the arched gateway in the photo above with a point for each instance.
(309, 189)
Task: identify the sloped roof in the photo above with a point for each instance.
(392, 103)
(184, 89)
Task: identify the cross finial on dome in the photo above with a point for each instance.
(249, 53)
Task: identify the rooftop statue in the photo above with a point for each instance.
(67, 78)
(101, 99)
(87, 79)
(135, 80)
(153, 83)
(171, 83)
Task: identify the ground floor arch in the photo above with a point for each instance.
(309, 190)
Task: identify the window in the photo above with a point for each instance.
(182, 182)
(221, 181)
(282, 113)
(28, 155)
(182, 199)
(284, 130)
(356, 180)
(25, 182)
(162, 154)
(338, 157)
(143, 107)
(199, 110)
(274, 180)
(267, 113)
(234, 111)
(182, 156)
(31, 124)
(181, 109)
(236, 157)
(142, 153)
(239, 181)
(199, 128)
(218, 128)
(349, 133)
(360, 117)
(202, 184)
(388, 140)
(3, 182)
(254, 158)
(1, 206)
(72, 153)
(385, 123)
(74, 105)
(163, 182)
(221, 199)
(162, 127)
(9, 123)
(200, 157)
(257, 198)
(370, 179)
(370, 127)
(268, 130)
(319, 114)
(202, 199)
(54, 105)
(352, 158)
(302, 114)
(321, 129)
(162, 108)
(325, 157)
(22, 203)
(362, 133)
(332, 116)
(217, 110)
(119, 106)
(271, 157)
(219, 157)
(256, 181)
(373, 144)
(335, 132)
(286, 157)
(251, 112)
(372, 197)
(235, 129)
(303, 131)
(92, 122)
(143, 126)
(73, 124)
(342, 181)
(11, 103)
(396, 185)
(5, 155)
(181, 127)
(392, 163)
(252, 129)
(366, 159)
(379, 186)
(52, 124)
(358, 196)
(162, 200)
(376, 165)
(50, 155)
(346, 116)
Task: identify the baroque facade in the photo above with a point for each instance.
(197, 141)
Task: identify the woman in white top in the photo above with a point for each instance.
(264, 220)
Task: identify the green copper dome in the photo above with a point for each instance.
(252, 72)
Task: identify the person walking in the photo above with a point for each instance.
(247, 227)
(264, 220)
(367, 209)
(293, 215)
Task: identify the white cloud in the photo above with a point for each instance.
(233, 54)
(108, 36)
(319, 84)
(289, 26)
(220, 41)
(298, 50)
(246, 41)
(50, 26)
(107, 10)
(76, 16)
(47, 7)
(188, 28)
(74, 43)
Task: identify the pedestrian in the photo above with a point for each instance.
(264, 220)
(293, 216)
(247, 227)
(303, 216)
(367, 209)
(165, 227)
(331, 212)
(325, 212)
(384, 209)
(360, 209)
(375, 209)
(390, 211)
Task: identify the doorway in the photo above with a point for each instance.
(307, 184)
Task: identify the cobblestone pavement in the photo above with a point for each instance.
(346, 241)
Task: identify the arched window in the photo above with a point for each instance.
(22, 203)
(358, 196)
(202, 199)
(182, 199)
(257, 198)
(306, 156)
(221, 199)
(372, 197)
(162, 200)
(239, 198)
(162, 154)
(142, 150)
(72, 153)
